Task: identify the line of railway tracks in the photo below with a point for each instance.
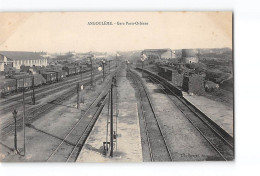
(218, 139)
(40, 92)
(80, 131)
(157, 144)
(62, 151)
(68, 147)
(36, 112)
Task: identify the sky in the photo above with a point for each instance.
(69, 31)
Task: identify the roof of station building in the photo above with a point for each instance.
(21, 55)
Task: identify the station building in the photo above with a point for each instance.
(18, 58)
(4, 61)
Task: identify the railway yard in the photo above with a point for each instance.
(149, 118)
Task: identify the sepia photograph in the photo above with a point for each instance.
(111, 87)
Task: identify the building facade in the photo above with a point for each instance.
(21, 58)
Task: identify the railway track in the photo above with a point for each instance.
(70, 145)
(18, 96)
(41, 92)
(158, 147)
(218, 139)
(35, 113)
(79, 132)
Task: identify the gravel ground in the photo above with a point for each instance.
(47, 132)
(184, 141)
(128, 147)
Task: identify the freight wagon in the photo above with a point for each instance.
(165, 73)
(70, 70)
(185, 79)
(50, 77)
(60, 75)
(17, 82)
(23, 81)
(84, 69)
(39, 80)
(77, 70)
(7, 86)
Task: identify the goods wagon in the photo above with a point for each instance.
(39, 80)
(70, 70)
(7, 86)
(50, 77)
(193, 83)
(23, 81)
(77, 70)
(60, 75)
(165, 73)
(84, 69)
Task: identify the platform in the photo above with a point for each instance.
(219, 113)
(128, 148)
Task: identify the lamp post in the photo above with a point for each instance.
(127, 63)
(103, 67)
(117, 55)
(91, 77)
(116, 60)
(80, 73)
(78, 89)
(23, 117)
(109, 65)
(143, 59)
(111, 122)
(33, 93)
(15, 133)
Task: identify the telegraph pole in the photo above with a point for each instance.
(23, 118)
(33, 94)
(109, 66)
(103, 65)
(142, 68)
(80, 73)
(91, 71)
(111, 122)
(143, 59)
(116, 60)
(15, 133)
(78, 105)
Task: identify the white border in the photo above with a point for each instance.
(247, 84)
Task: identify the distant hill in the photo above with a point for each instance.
(224, 53)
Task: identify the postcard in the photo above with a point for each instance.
(116, 87)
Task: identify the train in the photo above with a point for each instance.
(42, 76)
